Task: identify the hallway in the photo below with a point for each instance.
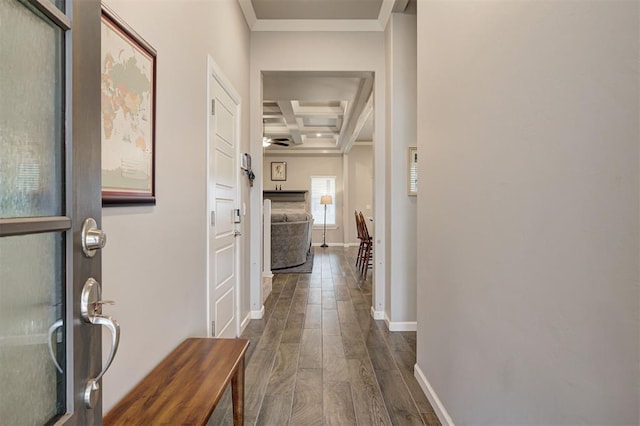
(317, 356)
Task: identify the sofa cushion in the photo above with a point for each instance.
(278, 217)
(297, 217)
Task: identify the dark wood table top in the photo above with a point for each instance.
(185, 387)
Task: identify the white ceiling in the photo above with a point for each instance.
(318, 112)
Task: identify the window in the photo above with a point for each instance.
(323, 185)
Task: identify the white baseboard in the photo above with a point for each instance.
(441, 412)
(400, 326)
(377, 315)
(329, 244)
(245, 322)
(346, 245)
(257, 314)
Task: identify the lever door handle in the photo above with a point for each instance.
(91, 311)
(54, 327)
(93, 386)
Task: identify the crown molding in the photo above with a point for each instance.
(345, 25)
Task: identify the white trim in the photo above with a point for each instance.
(377, 315)
(385, 13)
(329, 244)
(244, 323)
(399, 325)
(346, 245)
(321, 227)
(249, 13)
(431, 395)
(257, 314)
(318, 25)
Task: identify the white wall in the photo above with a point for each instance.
(400, 310)
(528, 213)
(154, 263)
(332, 51)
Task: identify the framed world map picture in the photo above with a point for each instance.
(128, 83)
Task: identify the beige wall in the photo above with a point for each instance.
(360, 186)
(154, 264)
(400, 309)
(528, 133)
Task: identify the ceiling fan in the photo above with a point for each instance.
(280, 141)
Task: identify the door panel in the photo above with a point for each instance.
(31, 303)
(225, 314)
(225, 265)
(224, 223)
(31, 120)
(224, 166)
(225, 120)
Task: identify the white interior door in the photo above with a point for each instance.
(224, 226)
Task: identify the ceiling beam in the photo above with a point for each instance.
(364, 93)
(400, 6)
(362, 119)
(290, 119)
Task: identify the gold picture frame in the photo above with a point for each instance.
(278, 171)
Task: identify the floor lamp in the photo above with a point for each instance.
(325, 200)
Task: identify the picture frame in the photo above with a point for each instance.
(128, 115)
(412, 174)
(278, 171)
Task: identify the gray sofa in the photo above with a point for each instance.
(290, 239)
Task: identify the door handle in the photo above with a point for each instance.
(237, 233)
(90, 309)
(92, 238)
(54, 327)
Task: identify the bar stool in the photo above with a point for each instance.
(366, 260)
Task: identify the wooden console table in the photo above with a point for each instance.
(187, 385)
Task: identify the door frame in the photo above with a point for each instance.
(215, 72)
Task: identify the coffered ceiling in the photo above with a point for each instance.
(318, 112)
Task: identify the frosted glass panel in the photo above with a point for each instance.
(31, 310)
(31, 146)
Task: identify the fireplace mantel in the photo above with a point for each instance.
(285, 196)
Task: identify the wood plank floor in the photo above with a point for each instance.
(318, 358)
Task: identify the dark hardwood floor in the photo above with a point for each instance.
(318, 358)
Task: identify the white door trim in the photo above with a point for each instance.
(213, 70)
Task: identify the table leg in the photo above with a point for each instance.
(237, 393)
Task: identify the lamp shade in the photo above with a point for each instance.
(326, 199)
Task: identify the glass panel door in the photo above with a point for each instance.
(47, 353)
(32, 266)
